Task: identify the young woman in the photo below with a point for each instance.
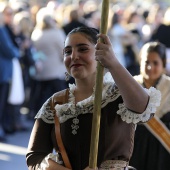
(149, 152)
(124, 103)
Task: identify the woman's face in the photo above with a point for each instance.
(79, 56)
(8, 15)
(151, 66)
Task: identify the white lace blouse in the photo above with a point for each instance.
(109, 94)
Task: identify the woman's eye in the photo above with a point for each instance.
(67, 52)
(83, 49)
(155, 63)
(146, 62)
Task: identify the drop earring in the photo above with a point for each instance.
(67, 76)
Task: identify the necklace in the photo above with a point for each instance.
(75, 121)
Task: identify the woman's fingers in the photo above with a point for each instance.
(105, 39)
(105, 44)
(104, 51)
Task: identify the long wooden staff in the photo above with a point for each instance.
(98, 93)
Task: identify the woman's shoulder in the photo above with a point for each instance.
(47, 111)
(165, 79)
(61, 96)
(164, 82)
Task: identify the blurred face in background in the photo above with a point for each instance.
(8, 15)
(151, 66)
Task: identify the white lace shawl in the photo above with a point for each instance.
(109, 94)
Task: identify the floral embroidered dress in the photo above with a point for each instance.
(116, 135)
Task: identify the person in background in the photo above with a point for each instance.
(118, 34)
(74, 21)
(13, 120)
(153, 21)
(135, 22)
(7, 53)
(124, 104)
(93, 19)
(149, 153)
(23, 29)
(124, 43)
(48, 40)
(162, 34)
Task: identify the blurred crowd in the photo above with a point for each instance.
(32, 39)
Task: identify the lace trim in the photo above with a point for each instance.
(48, 116)
(109, 94)
(45, 113)
(129, 116)
(70, 110)
(44, 164)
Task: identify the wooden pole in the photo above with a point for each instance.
(98, 93)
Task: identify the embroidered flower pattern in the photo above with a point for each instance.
(75, 126)
(45, 113)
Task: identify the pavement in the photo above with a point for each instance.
(12, 152)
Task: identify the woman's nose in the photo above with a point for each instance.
(74, 55)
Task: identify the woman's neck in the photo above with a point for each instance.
(149, 83)
(83, 90)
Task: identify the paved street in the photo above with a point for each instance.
(12, 153)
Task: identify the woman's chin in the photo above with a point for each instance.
(77, 75)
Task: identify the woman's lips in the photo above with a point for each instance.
(76, 65)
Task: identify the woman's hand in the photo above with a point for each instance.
(53, 166)
(104, 52)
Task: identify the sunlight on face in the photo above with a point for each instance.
(79, 56)
(151, 65)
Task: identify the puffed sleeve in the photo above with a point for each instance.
(133, 117)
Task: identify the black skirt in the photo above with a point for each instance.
(149, 153)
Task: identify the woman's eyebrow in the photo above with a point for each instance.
(77, 45)
(67, 47)
(82, 44)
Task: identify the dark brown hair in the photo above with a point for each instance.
(89, 32)
(156, 47)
